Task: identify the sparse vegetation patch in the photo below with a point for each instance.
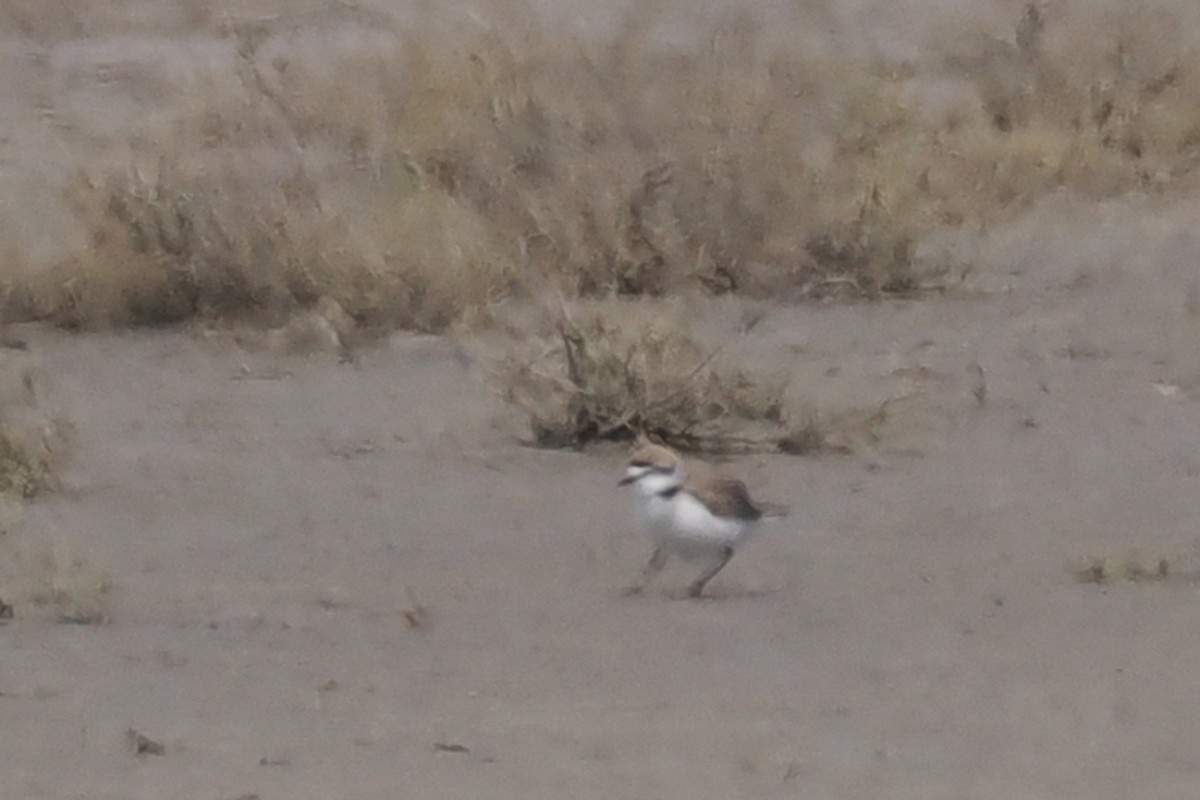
(23, 473)
(73, 585)
(34, 435)
(1134, 568)
(602, 380)
(419, 177)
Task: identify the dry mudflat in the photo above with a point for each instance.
(352, 580)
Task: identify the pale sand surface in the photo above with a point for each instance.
(911, 631)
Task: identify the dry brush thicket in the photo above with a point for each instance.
(610, 374)
(423, 175)
(419, 177)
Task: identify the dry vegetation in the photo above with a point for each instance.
(425, 173)
(1135, 567)
(617, 375)
(34, 439)
(75, 588)
(33, 434)
(417, 178)
(22, 472)
(41, 575)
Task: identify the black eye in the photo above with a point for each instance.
(639, 463)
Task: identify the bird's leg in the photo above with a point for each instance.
(697, 588)
(658, 560)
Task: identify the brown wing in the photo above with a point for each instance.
(726, 497)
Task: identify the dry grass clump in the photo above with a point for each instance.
(23, 472)
(418, 178)
(609, 380)
(49, 580)
(75, 587)
(1099, 103)
(625, 167)
(34, 439)
(1135, 567)
(33, 434)
(416, 175)
(170, 248)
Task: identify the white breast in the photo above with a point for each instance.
(656, 513)
(653, 509)
(692, 520)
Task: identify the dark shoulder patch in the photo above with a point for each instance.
(732, 500)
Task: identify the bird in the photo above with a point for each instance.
(696, 518)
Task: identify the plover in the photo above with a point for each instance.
(695, 518)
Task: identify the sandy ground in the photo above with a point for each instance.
(913, 630)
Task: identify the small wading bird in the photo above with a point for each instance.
(695, 518)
